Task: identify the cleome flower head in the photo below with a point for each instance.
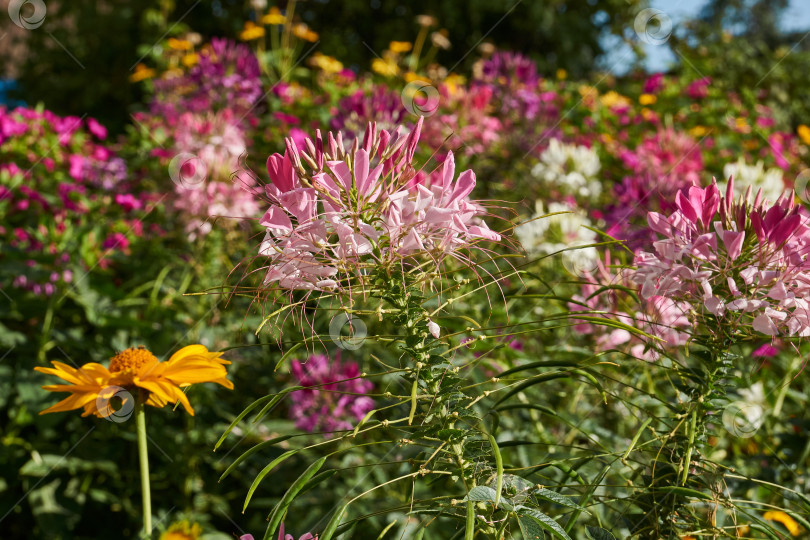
(334, 394)
(336, 214)
(92, 386)
(743, 263)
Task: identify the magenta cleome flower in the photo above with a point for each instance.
(745, 263)
(335, 399)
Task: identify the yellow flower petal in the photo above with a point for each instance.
(781, 517)
(74, 401)
(804, 133)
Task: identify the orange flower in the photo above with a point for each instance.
(302, 31)
(141, 72)
(159, 383)
(180, 44)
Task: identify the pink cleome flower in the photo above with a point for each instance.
(742, 263)
(335, 214)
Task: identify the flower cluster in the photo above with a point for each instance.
(226, 75)
(216, 141)
(744, 263)
(564, 228)
(464, 122)
(770, 181)
(380, 105)
(513, 78)
(335, 395)
(660, 165)
(569, 169)
(347, 211)
(64, 197)
(506, 67)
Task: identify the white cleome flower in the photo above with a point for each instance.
(770, 181)
(545, 235)
(571, 169)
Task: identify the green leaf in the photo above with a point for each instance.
(273, 402)
(264, 472)
(281, 508)
(481, 494)
(553, 496)
(598, 533)
(469, 529)
(530, 528)
(498, 469)
(240, 417)
(322, 477)
(252, 451)
(332, 526)
(544, 521)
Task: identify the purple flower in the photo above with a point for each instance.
(654, 83)
(508, 69)
(382, 106)
(335, 400)
(699, 89)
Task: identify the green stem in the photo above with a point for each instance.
(469, 531)
(689, 449)
(143, 457)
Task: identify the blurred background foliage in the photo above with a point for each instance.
(81, 61)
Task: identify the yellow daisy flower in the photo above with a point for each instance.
(274, 17)
(698, 131)
(136, 369)
(251, 31)
(387, 68)
(614, 99)
(454, 81)
(328, 64)
(562, 74)
(399, 46)
(647, 99)
(190, 59)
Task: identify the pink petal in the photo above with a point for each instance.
(763, 323)
(733, 242)
(464, 185)
(276, 218)
(483, 232)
